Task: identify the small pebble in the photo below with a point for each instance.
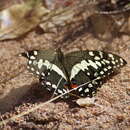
(86, 101)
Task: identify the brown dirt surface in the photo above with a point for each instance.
(20, 91)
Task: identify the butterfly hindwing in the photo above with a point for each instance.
(53, 82)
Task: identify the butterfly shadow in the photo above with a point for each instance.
(39, 94)
(25, 94)
(31, 94)
(35, 93)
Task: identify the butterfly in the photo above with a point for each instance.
(59, 72)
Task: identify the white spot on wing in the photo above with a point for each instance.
(58, 71)
(117, 61)
(40, 63)
(97, 58)
(109, 67)
(118, 65)
(42, 83)
(42, 74)
(35, 53)
(80, 89)
(121, 64)
(75, 70)
(106, 61)
(29, 62)
(94, 82)
(42, 77)
(101, 54)
(82, 94)
(103, 62)
(48, 89)
(84, 65)
(48, 83)
(93, 64)
(113, 62)
(90, 85)
(111, 56)
(28, 67)
(86, 90)
(88, 73)
(105, 69)
(37, 72)
(64, 90)
(32, 69)
(114, 66)
(101, 72)
(91, 53)
(98, 63)
(35, 62)
(54, 86)
(121, 60)
(32, 57)
(95, 74)
(60, 91)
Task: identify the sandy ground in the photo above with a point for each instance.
(20, 91)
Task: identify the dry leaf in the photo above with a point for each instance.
(20, 18)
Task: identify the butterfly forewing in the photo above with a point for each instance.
(39, 61)
(46, 66)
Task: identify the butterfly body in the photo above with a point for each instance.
(60, 73)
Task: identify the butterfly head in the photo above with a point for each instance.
(29, 54)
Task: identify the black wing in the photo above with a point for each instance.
(90, 68)
(45, 64)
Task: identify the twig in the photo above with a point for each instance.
(4, 122)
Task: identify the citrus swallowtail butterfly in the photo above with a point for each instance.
(59, 73)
